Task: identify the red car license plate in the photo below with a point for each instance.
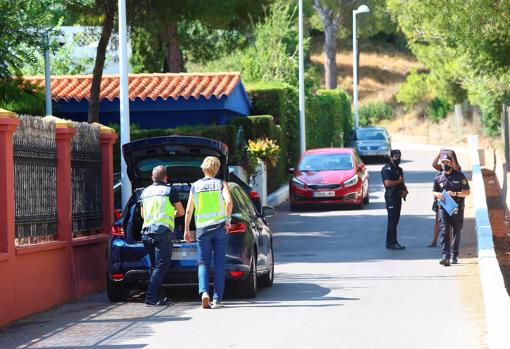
(323, 194)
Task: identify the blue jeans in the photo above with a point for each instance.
(159, 249)
(213, 238)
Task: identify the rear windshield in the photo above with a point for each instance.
(371, 135)
(326, 162)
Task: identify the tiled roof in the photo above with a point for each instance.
(67, 87)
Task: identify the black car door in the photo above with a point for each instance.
(255, 225)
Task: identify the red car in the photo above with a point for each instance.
(329, 176)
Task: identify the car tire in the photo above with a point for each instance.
(366, 199)
(116, 291)
(293, 208)
(248, 288)
(267, 279)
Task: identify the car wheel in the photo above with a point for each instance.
(266, 280)
(366, 199)
(248, 288)
(116, 291)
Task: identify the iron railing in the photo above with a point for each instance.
(35, 188)
(86, 180)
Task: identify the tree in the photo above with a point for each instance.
(25, 24)
(108, 8)
(330, 12)
(162, 21)
(474, 38)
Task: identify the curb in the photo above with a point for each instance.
(495, 296)
(279, 196)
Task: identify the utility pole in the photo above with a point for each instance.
(302, 134)
(47, 76)
(124, 100)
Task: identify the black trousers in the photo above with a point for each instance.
(450, 243)
(393, 206)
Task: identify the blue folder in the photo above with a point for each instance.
(448, 204)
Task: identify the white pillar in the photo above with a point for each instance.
(354, 69)
(47, 75)
(302, 134)
(124, 99)
(259, 182)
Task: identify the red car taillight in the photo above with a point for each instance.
(254, 195)
(237, 228)
(117, 277)
(117, 230)
(236, 274)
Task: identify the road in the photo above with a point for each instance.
(336, 287)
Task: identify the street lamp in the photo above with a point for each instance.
(124, 100)
(302, 133)
(361, 9)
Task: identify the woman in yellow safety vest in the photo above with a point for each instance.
(210, 199)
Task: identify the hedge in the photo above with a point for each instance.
(281, 101)
(328, 119)
(223, 133)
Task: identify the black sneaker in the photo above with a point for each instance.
(398, 246)
(455, 260)
(445, 262)
(161, 302)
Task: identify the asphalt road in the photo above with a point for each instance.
(336, 286)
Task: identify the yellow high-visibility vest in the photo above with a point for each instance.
(210, 207)
(157, 208)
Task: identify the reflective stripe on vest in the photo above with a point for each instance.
(157, 208)
(210, 207)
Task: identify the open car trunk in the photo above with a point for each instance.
(182, 157)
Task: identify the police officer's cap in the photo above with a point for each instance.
(445, 157)
(395, 152)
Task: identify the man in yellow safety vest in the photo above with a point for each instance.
(160, 205)
(210, 199)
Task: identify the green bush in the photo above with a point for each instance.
(281, 101)
(262, 126)
(21, 97)
(438, 109)
(373, 112)
(414, 92)
(328, 114)
(222, 133)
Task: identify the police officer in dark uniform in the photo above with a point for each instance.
(457, 186)
(396, 190)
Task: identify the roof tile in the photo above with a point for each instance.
(143, 86)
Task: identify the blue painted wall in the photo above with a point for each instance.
(161, 113)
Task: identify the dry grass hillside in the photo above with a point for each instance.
(381, 70)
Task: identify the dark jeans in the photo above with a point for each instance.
(212, 239)
(159, 249)
(393, 206)
(450, 244)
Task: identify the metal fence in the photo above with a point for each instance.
(86, 180)
(35, 188)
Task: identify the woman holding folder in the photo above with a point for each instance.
(454, 184)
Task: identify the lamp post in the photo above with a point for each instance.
(302, 135)
(361, 9)
(124, 100)
(47, 76)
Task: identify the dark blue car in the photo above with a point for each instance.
(249, 260)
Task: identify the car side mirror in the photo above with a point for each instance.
(291, 170)
(268, 211)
